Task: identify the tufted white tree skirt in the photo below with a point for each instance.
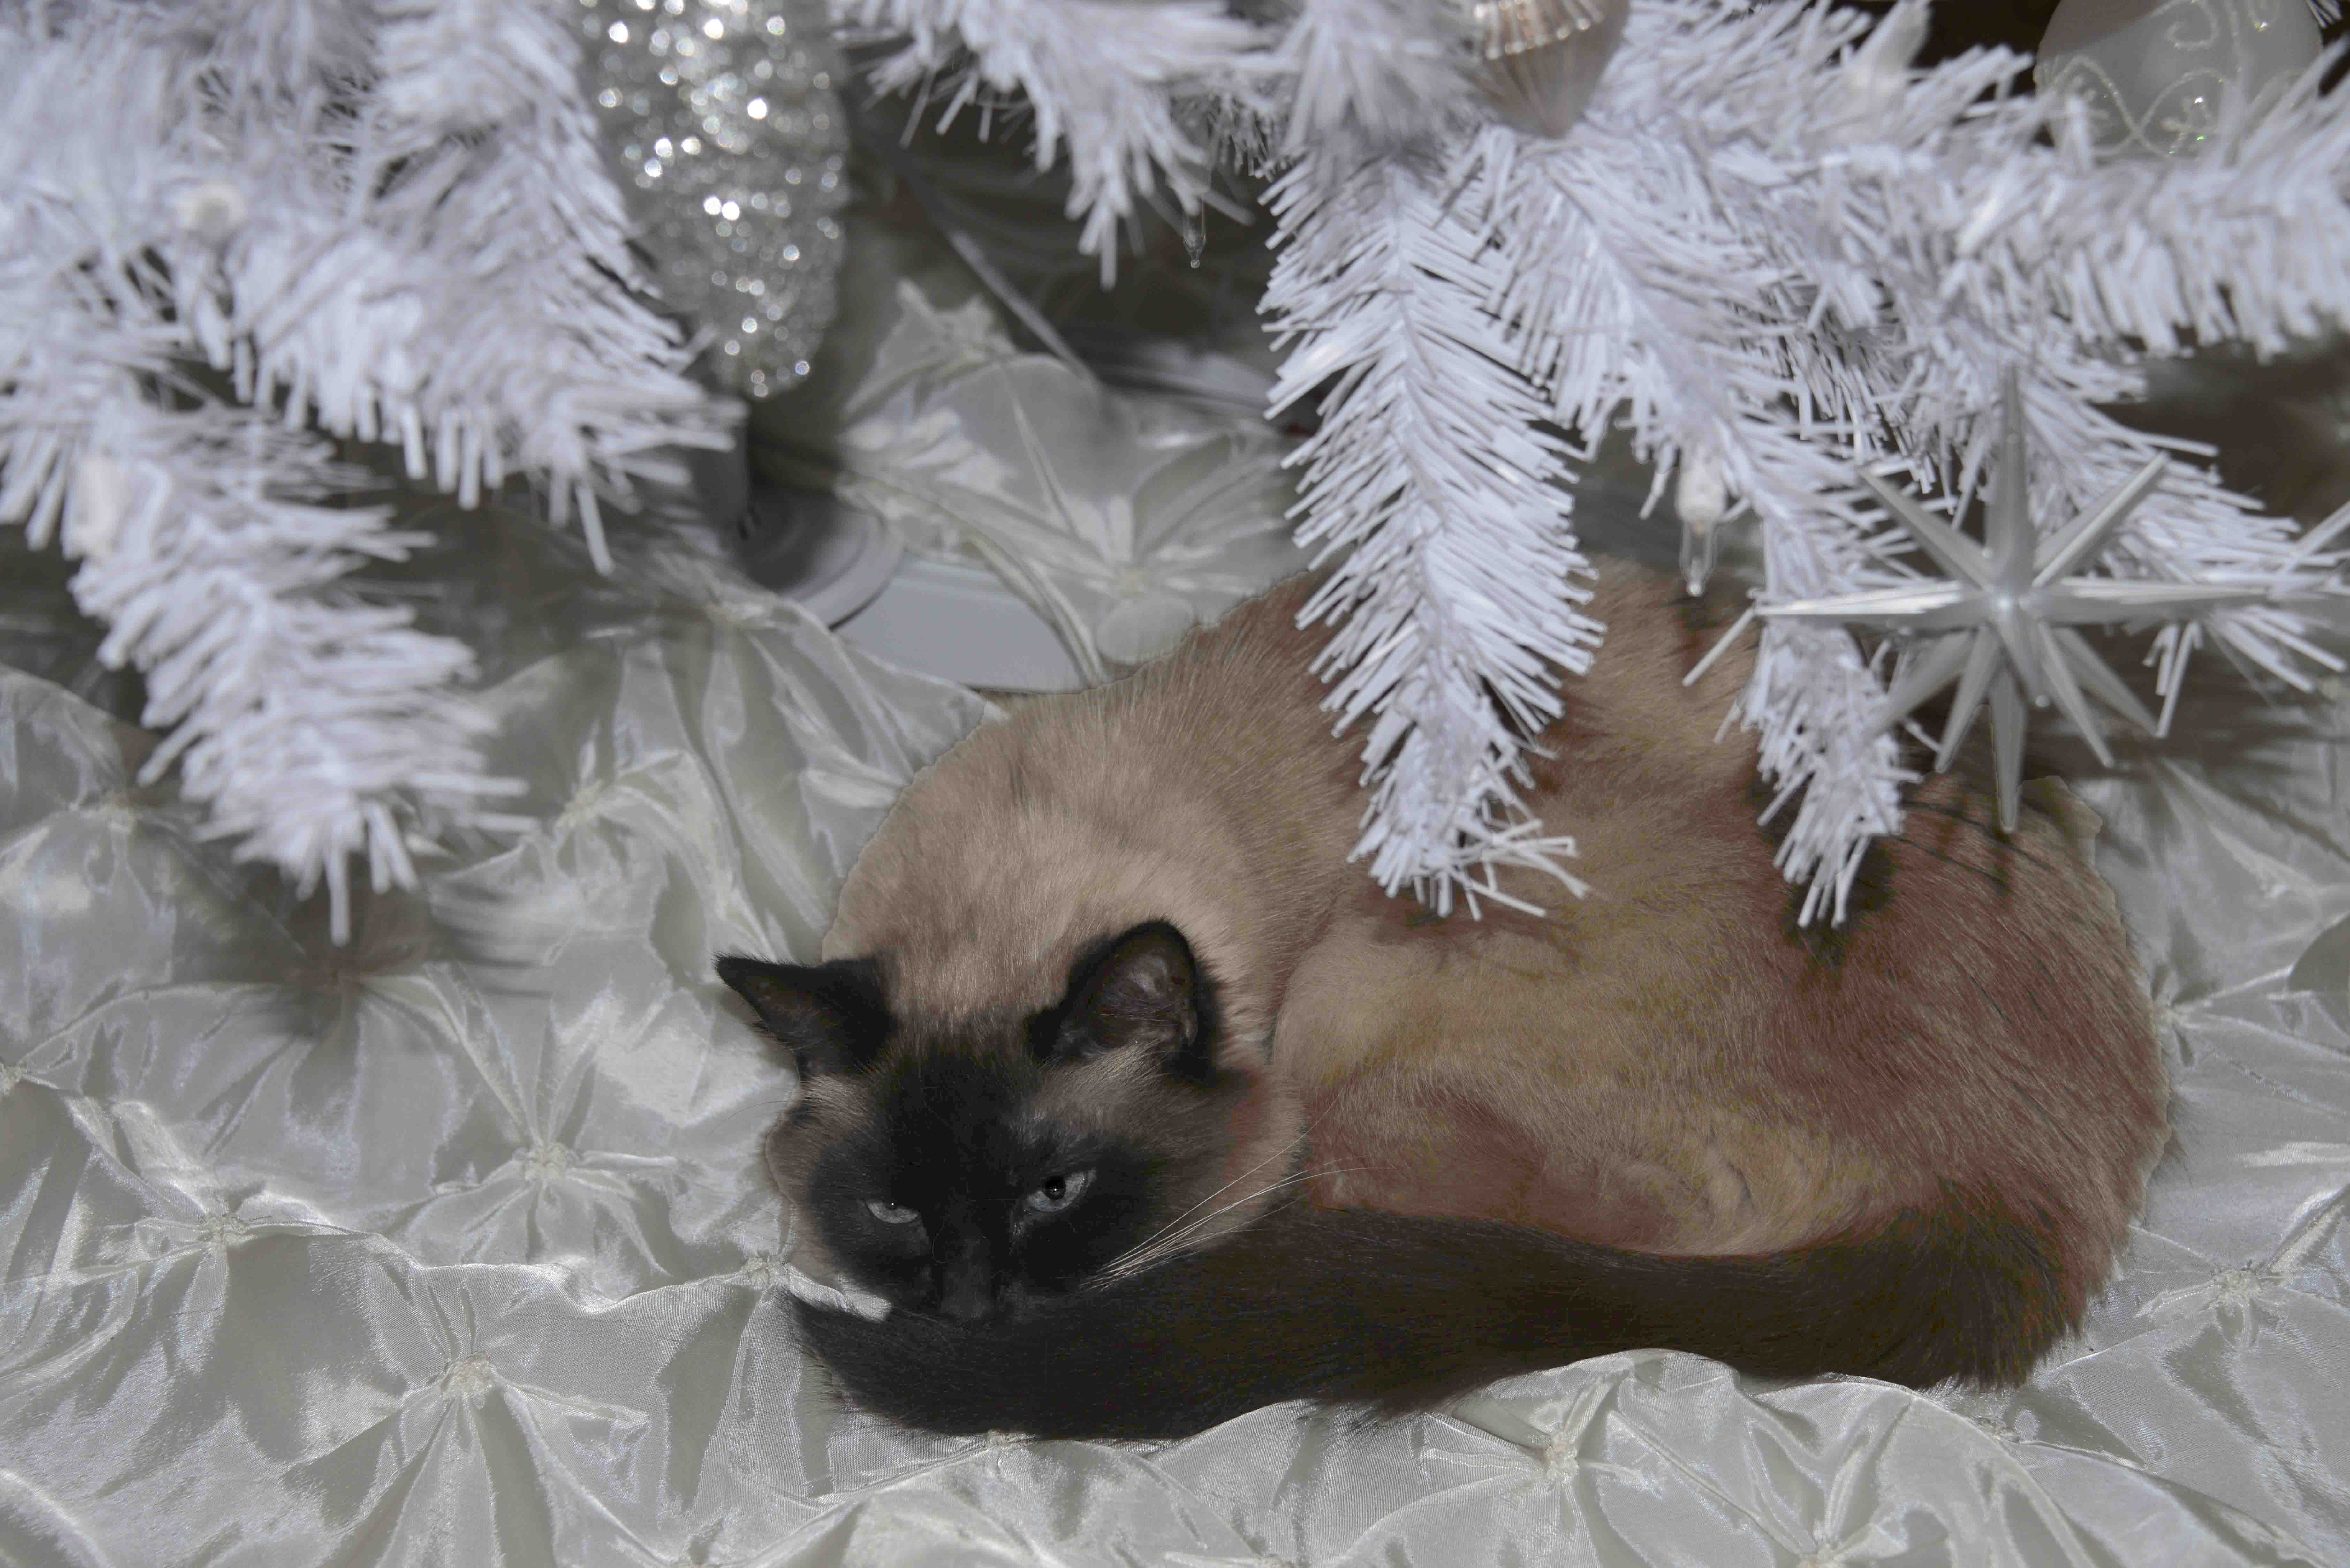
(452, 1247)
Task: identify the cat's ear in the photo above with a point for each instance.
(830, 1016)
(1139, 991)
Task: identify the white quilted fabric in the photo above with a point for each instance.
(1120, 517)
(451, 1247)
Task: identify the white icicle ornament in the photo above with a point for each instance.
(1543, 58)
(1702, 497)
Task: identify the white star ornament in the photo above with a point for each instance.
(2002, 627)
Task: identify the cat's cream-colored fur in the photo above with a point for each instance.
(1667, 1064)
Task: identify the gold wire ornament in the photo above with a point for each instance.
(1543, 58)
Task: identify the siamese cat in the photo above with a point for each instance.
(1143, 1107)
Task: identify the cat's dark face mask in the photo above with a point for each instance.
(965, 1167)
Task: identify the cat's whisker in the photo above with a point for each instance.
(1283, 1153)
(1173, 1225)
(1165, 1245)
(1175, 1246)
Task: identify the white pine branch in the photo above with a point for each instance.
(1771, 246)
(1104, 82)
(1641, 296)
(1455, 604)
(1386, 73)
(477, 313)
(1758, 242)
(1997, 241)
(308, 721)
(387, 224)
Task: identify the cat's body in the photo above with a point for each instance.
(1116, 941)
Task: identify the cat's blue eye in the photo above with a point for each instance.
(1057, 1193)
(890, 1213)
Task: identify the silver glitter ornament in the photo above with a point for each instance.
(729, 130)
(2002, 627)
(1543, 58)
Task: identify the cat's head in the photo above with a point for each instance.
(965, 1166)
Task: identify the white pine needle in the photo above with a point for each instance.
(230, 226)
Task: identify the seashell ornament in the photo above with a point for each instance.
(1543, 58)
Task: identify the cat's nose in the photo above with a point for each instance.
(965, 1270)
(969, 1295)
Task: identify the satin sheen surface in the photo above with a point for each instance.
(451, 1247)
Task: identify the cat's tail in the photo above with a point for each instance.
(1390, 1313)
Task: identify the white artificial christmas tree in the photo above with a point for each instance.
(1798, 270)
(1795, 267)
(231, 228)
